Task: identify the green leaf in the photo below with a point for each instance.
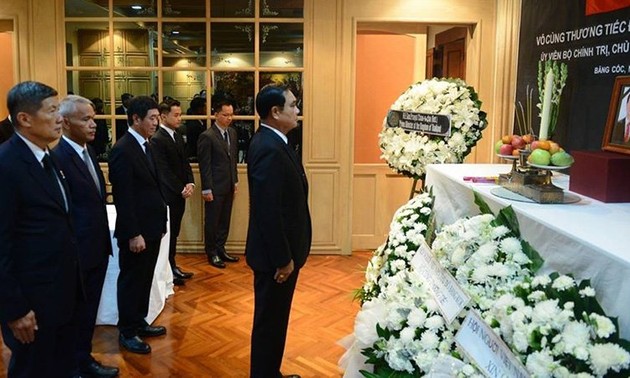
(536, 260)
(507, 217)
(483, 206)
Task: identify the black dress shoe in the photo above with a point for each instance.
(150, 331)
(134, 344)
(229, 258)
(178, 281)
(216, 262)
(96, 369)
(178, 273)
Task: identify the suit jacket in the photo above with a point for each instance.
(217, 161)
(279, 220)
(618, 133)
(121, 124)
(171, 161)
(88, 205)
(39, 263)
(140, 206)
(194, 128)
(6, 130)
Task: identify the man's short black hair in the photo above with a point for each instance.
(269, 96)
(165, 106)
(27, 97)
(140, 106)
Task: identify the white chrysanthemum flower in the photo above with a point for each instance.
(407, 334)
(540, 281)
(429, 340)
(540, 364)
(416, 318)
(434, 322)
(604, 327)
(606, 357)
(511, 246)
(563, 283)
(587, 292)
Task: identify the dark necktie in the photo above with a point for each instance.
(90, 167)
(227, 140)
(55, 184)
(147, 151)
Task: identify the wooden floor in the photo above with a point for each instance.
(209, 322)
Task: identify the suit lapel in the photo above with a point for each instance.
(99, 173)
(37, 172)
(222, 142)
(292, 155)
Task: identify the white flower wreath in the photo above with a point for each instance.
(408, 152)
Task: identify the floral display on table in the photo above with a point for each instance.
(557, 327)
(552, 324)
(408, 152)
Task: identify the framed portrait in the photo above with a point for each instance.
(617, 132)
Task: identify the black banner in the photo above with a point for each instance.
(596, 49)
(431, 124)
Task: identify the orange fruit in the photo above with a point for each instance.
(544, 144)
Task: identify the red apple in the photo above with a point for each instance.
(534, 145)
(506, 149)
(518, 142)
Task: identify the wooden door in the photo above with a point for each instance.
(454, 64)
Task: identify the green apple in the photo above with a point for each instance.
(539, 157)
(561, 159)
(497, 146)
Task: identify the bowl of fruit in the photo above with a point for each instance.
(543, 154)
(547, 154)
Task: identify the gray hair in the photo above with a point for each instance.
(68, 105)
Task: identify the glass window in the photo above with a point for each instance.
(231, 8)
(237, 86)
(281, 45)
(232, 44)
(291, 79)
(136, 8)
(183, 8)
(86, 8)
(282, 8)
(132, 48)
(184, 40)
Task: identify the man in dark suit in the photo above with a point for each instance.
(87, 188)
(101, 138)
(279, 233)
(6, 129)
(40, 283)
(140, 222)
(217, 153)
(194, 127)
(621, 131)
(122, 124)
(175, 175)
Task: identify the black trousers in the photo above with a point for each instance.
(176, 213)
(272, 306)
(134, 285)
(87, 310)
(47, 356)
(217, 223)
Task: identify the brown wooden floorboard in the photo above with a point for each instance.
(209, 322)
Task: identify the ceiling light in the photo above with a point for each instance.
(175, 32)
(136, 7)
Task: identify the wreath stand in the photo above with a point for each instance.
(414, 187)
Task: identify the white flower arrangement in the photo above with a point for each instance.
(558, 329)
(553, 324)
(409, 152)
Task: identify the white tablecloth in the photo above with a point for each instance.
(161, 289)
(590, 239)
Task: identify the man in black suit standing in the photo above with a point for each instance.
(217, 153)
(6, 129)
(175, 175)
(121, 124)
(194, 127)
(87, 187)
(279, 233)
(40, 282)
(140, 222)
